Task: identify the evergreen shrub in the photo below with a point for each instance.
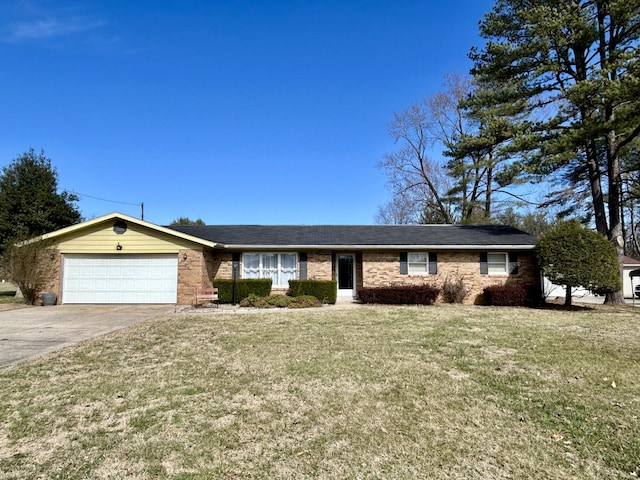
(325, 291)
(260, 287)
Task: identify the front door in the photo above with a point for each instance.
(346, 274)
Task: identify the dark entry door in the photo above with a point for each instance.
(346, 274)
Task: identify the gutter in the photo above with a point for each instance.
(375, 247)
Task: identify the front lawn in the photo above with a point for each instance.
(8, 296)
(444, 392)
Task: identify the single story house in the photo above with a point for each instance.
(120, 259)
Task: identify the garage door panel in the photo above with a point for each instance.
(141, 272)
(120, 279)
(99, 271)
(128, 272)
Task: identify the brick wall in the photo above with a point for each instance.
(54, 284)
(320, 266)
(192, 274)
(218, 265)
(383, 269)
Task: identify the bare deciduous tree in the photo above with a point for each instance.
(459, 190)
(29, 265)
(413, 177)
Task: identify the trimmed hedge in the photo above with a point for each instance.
(326, 291)
(400, 295)
(505, 295)
(260, 287)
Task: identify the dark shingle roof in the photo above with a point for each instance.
(365, 236)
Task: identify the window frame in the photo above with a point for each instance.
(280, 271)
(414, 263)
(431, 263)
(504, 264)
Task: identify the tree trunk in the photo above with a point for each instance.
(615, 234)
(590, 147)
(487, 199)
(615, 217)
(567, 296)
(599, 208)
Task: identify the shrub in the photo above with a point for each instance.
(30, 265)
(260, 287)
(305, 301)
(454, 290)
(574, 256)
(280, 301)
(325, 291)
(505, 295)
(252, 300)
(400, 295)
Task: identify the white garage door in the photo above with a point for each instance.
(120, 279)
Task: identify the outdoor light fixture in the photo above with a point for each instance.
(118, 246)
(184, 257)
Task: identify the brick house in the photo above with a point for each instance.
(120, 259)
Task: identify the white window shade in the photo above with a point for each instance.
(497, 263)
(418, 262)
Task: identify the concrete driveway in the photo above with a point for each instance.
(29, 332)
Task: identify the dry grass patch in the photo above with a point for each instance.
(372, 392)
(8, 299)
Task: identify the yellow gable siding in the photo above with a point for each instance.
(137, 239)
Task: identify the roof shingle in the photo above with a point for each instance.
(366, 236)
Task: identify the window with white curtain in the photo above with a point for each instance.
(279, 267)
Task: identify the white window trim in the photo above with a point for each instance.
(409, 263)
(279, 282)
(506, 264)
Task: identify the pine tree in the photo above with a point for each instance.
(576, 65)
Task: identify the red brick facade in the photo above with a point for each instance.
(382, 268)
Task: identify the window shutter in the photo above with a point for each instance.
(513, 263)
(302, 260)
(484, 265)
(433, 263)
(404, 267)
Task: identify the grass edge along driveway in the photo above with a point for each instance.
(373, 392)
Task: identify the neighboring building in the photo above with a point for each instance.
(119, 259)
(629, 265)
(554, 291)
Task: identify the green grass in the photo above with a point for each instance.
(369, 392)
(7, 294)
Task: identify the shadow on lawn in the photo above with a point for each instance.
(587, 307)
(567, 308)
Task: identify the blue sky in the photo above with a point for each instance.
(235, 112)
